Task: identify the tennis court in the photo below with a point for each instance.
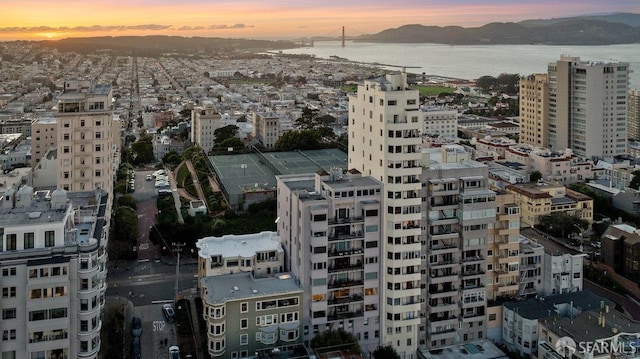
(256, 171)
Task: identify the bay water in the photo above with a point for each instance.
(472, 61)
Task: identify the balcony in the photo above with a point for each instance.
(345, 300)
(345, 268)
(444, 307)
(443, 264)
(333, 221)
(345, 283)
(344, 252)
(471, 273)
(343, 237)
(472, 259)
(442, 334)
(344, 315)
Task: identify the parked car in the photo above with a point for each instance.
(136, 326)
(174, 352)
(149, 177)
(169, 313)
(135, 348)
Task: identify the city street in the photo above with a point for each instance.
(149, 281)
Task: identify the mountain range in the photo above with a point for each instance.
(619, 28)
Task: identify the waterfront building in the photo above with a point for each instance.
(534, 110)
(588, 107)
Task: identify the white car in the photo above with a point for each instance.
(174, 352)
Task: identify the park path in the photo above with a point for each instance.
(196, 182)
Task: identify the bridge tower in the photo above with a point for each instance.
(343, 36)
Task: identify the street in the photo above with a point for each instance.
(149, 281)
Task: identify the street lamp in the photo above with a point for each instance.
(177, 249)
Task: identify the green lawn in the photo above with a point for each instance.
(432, 90)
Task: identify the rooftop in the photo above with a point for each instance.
(483, 349)
(592, 325)
(244, 245)
(237, 286)
(551, 246)
(550, 306)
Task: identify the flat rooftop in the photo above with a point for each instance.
(483, 349)
(245, 245)
(237, 286)
(549, 306)
(551, 246)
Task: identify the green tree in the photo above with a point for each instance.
(385, 352)
(232, 142)
(308, 120)
(508, 82)
(299, 140)
(126, 225)
(535, 176)
(331, 340)
(224, 133)
(635, 180)
(143, 150)
(486, 83)
(562, 225)
(127, 200)
(172, 157)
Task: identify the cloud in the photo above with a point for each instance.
(93, 28)
(190, 28)
(225, 27)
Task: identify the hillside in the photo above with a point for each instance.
(158, 45)
(569, 31)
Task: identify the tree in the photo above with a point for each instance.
(143, 150)
(126, 225)
(232, 142)
(128, 201)
(562, 225)
(331, 340)
(535, 176)
(299, 140)
(308, 120)
(486, 83)
(223, 133)
(172, 157)
(385, 352)
(635, 180)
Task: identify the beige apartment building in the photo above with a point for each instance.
(588, 107)
(539, 199)
(503, 248)
(88, 137)
(44, 137)
(266, 128)
(205, 120)
(385, 143)
(534, 110)
(633, 117)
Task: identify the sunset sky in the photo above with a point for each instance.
(264, 19)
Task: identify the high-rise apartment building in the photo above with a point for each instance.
(458, 211)
(330, 226)
(588, 107)
(88, 137)
(52, 273)
(633, 115)
(503, 248)
(534, 110)
(384, 142)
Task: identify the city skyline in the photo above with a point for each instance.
(41, 20)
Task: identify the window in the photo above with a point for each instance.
(244, 323)
(244, 307)
(6, 272)
(49, 238)
(244, 339)
(9, 313)
(8, 335)
(9, 292)
(11, 242)
(28, 240)
(9, 355)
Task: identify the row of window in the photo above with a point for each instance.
(48, 272)
(11, 241)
